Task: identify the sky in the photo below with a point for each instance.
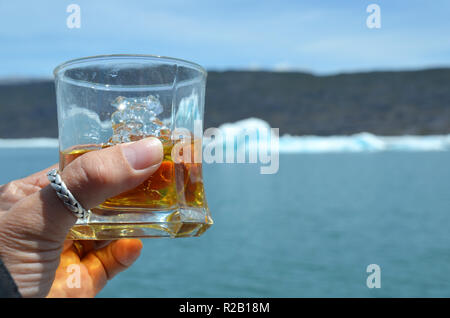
(322, 37)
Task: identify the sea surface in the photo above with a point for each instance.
(309, 230)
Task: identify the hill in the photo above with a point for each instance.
(383, 103)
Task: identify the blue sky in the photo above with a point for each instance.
(317, 36)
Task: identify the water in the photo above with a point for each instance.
(309, 230)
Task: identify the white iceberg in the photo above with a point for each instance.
(361, 142)
(29, 143)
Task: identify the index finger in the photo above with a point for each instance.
(39, 179)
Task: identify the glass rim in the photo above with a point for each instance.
(174, 60)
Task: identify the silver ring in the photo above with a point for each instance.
(64, 194)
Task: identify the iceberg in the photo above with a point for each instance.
(418, 143)
(248, 135)
(361, 142)
(84, 126)
(29, 143)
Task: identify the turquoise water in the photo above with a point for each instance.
(309, 230)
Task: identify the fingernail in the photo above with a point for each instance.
(143, 153)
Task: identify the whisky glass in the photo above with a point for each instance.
(111, 99)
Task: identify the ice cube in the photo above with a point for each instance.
(120, 103)
(135, 118)
(150, 102)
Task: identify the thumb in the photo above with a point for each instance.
(92, 178)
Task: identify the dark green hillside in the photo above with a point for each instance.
(385, 103)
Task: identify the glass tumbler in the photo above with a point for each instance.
(106, 100)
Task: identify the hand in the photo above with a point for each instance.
(34, 222)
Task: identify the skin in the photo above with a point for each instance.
(34, 224)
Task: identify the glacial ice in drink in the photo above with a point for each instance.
(135, 118)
